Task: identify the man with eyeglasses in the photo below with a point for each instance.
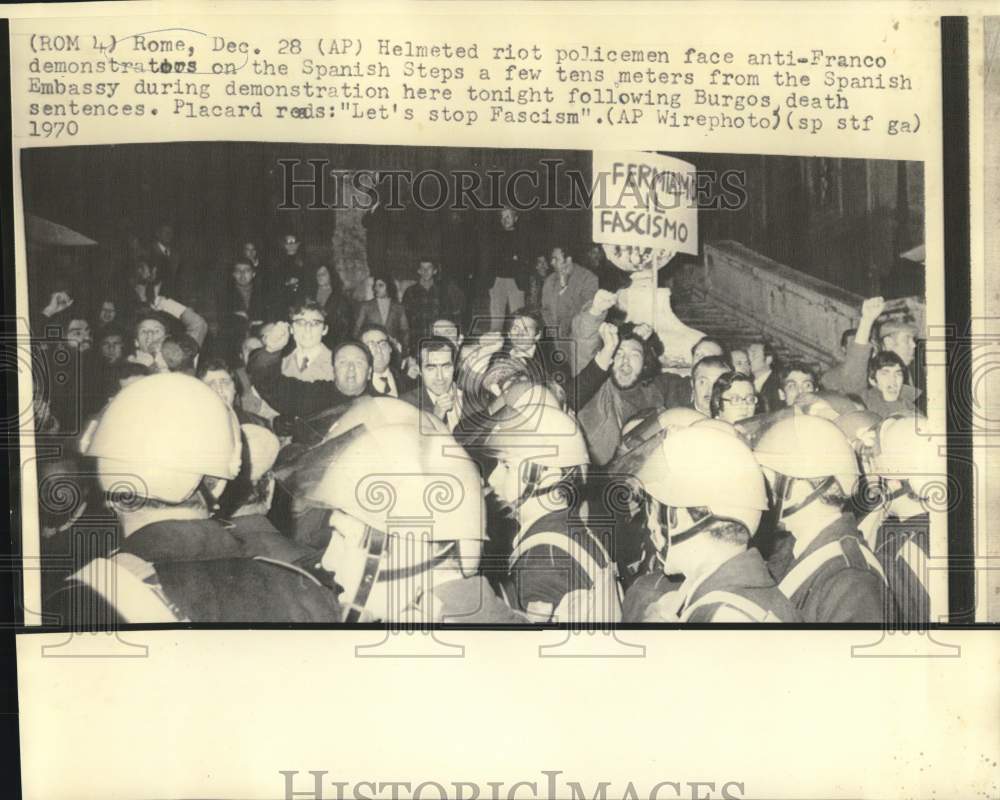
(733, 397)
(311, 360)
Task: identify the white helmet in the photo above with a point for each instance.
(679, 417)
(376, 412)
(645, 435)
(525, 393)
(394, 480)
(541, 434)
(906, 454)
(804, 446)
(407, 492)
(263, 447)
(701, 466)
(161, 435)
(717, 424)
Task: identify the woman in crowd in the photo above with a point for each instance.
(385, 309)
(327, 289)
(733, 397)
(106, 313)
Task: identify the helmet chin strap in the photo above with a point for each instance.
(373, 572)
(668, 518)
(903, 491)
(532, 475)
(209, 496)
(784, 489)
(373, 561)
(693, 531)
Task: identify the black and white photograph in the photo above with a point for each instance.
(290, 383)
(488, 401)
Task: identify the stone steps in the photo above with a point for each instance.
(698, 309)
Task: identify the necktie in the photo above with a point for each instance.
(305, 364)
(385, 384)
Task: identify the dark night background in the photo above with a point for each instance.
(842, 220)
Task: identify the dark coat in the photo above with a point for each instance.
(168, 267)
(505, 254)
(404, 383)
(290, 397)
(212, 571)
(845, 589)
(744, 575)
(396, 324)
(424, 306)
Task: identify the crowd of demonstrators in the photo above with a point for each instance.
(872, 343)
(288, 453)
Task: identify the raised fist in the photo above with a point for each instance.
(872, 307)
(276, 337)
(59, 301)
(609, 337)
(643, 331)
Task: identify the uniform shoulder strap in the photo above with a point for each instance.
(744, 605)
(860, 556)
(133, 591)
(809, 566)
(290, 567)
(138, 567)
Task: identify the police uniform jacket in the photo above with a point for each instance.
(215, 571)
(847, 588)
(546, 573)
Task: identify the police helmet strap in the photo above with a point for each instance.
(373, 559)
(404, 573)
(668, 514)
(780, 491)
(824, 485)
(530, 478)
